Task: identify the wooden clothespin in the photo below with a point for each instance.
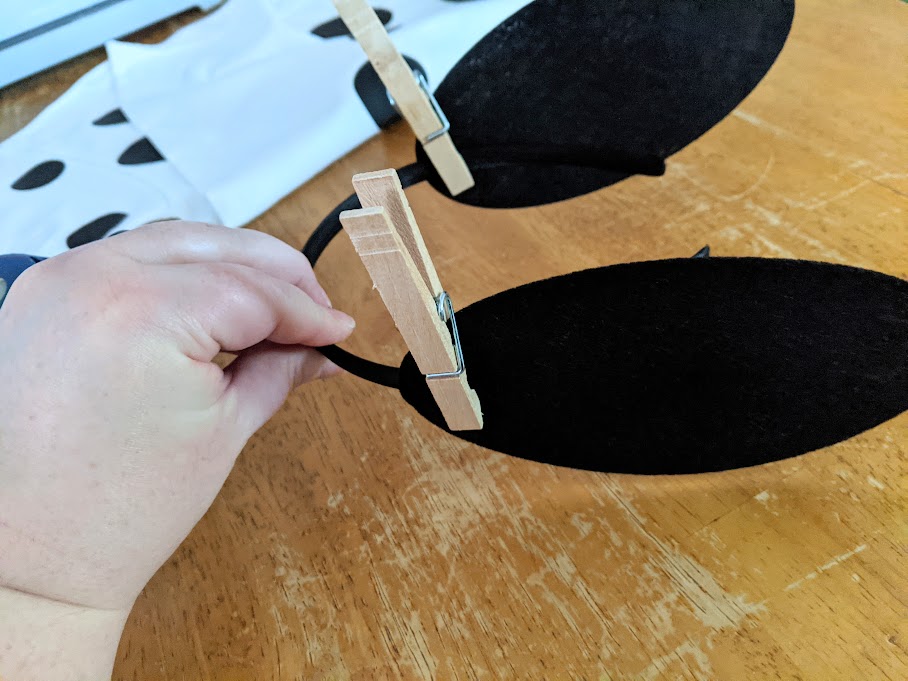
(387, 239)
(411, 95)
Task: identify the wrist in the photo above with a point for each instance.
(46, 640)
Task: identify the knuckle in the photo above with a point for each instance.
(227, 280)
(232, 286)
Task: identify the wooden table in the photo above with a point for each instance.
(354, 540)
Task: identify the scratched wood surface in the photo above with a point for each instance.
(355, 541)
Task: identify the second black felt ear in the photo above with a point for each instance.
(563, 98)
(682, 366)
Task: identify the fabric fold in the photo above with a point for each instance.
(248, 103)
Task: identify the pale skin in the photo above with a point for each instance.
(117, 428)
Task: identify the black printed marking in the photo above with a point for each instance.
(337, 28)
(40, 175)
(111, 118)
(94, 230)
(140, 152)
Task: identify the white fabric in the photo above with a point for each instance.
(245, 105)
(38, 221)
(249, 104)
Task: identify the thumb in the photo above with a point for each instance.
(262, 377)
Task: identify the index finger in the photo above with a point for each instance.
(178, 242)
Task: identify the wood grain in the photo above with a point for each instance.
(383, 188)
(401, 287)
(355, 541)
(379, 243)
(412, 306)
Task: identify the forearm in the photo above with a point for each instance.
(44, 640)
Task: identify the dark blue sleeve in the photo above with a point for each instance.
(11, 266)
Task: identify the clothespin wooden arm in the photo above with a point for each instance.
(411, 100)
(382, 188)
(401, 287)
(403, 281)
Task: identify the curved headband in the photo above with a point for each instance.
(486, 160)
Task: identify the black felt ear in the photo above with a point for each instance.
(683, 366)
(586, 85)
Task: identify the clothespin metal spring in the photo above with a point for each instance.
(446, 312)
(424, 86)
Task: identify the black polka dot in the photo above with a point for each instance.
(336, 27)
(40, 175)
(111, 118)
(142, 151)
(94, 230)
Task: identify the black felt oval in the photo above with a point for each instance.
(94, 230)
(641, 77)
(111, 118)
(336, 27)
(683, 366)
(40, 175)
(141, 151)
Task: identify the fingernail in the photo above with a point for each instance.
(345, 319)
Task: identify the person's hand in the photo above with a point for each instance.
(117, 430)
